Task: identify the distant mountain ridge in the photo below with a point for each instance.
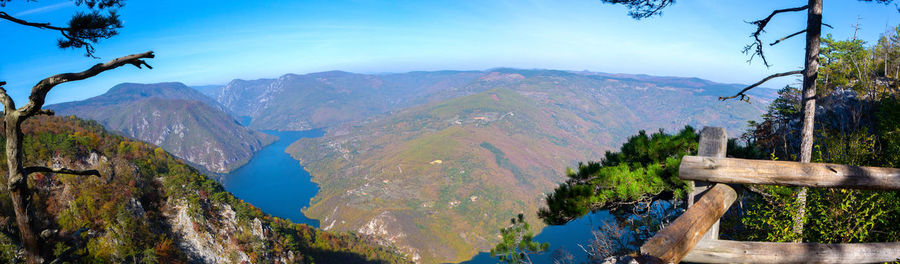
(175, 117)
(327, 99)
(315, 100)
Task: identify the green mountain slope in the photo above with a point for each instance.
(439, 180)
(175, 117)
(149, 207)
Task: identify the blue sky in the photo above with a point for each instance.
(213, 42)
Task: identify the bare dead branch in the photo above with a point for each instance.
(761, 24)
(40, 90)
(46, 112)
(788, 36)
(745, 98)
(36, 169)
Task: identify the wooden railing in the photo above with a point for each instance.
(693, 236)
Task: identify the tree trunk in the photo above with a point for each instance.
(17, 181)
(18, 187)
(813, 34)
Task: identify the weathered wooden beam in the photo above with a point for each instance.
(725, 251)
(713, 143)
(743, 171)
(672, 243)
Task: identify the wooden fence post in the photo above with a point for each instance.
(672, 243)
(713, 143)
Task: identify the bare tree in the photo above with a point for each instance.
(83, 30)
(810, 72)
(808, 102)
(646, 8)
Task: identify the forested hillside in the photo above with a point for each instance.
(149, 207)
(439, 179)
(175, 117)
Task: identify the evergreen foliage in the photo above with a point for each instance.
(517, 243)
(643, 171)
(84, 29)
(638, 9)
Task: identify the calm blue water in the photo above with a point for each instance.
(566, 236)
(244, 120)
(275, 182)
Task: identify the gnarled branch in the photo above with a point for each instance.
(745, 98)
(40, 90)
(788, 36)
(761, 24)
(35, 169)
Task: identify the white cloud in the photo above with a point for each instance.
(44, 9)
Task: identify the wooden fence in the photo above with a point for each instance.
(693, 236)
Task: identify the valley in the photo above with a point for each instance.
(434, 163)
(440, 179)
(426, 132)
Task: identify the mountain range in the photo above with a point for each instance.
(441, 178)
(432, 162)
(326, 99)
(175, 117)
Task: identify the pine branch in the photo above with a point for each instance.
(6, 16)
(83, 28)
